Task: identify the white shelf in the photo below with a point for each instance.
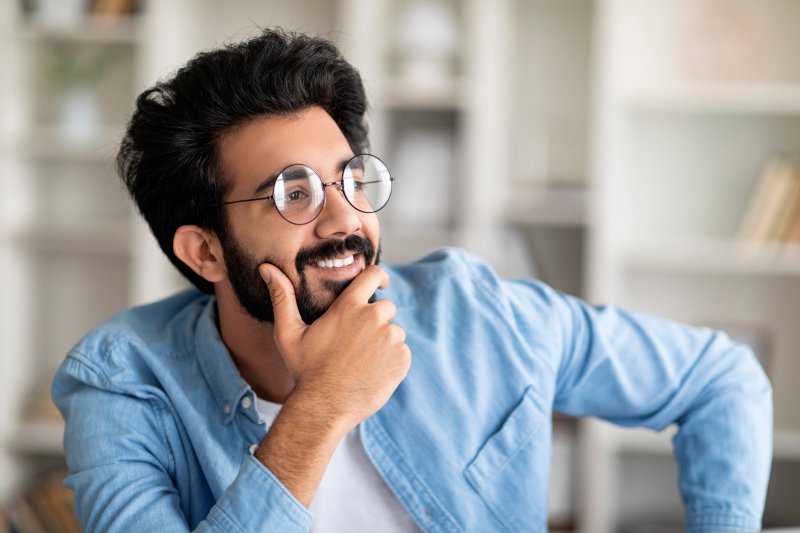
(547, 206)
(723, 98)
(110, 237)
(786, 443)
(92, 30)
(47, 144)
(436, 94)
(638, 440)
(712, 256)
(37, 438)
(409, 244)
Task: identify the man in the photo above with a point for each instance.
(284, 387)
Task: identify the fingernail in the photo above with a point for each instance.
(265, 274)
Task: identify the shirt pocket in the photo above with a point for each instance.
(511, 470)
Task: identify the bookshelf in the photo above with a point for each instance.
(66, 222)
(691, 100)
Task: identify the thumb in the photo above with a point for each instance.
(284, 304)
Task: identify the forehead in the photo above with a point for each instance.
(265, 145)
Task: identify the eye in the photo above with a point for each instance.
(296, 195)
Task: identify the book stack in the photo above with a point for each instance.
(47, 507)
(113, 8)
(773, 211)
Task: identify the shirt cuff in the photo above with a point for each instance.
(257, 501)
(720, 522)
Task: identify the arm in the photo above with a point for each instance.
(636, 370)
(121, 465)
(122, 469)
(345, 367)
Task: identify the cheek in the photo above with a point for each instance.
(371, 227)
(272, 242)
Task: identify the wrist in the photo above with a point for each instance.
(317, 414)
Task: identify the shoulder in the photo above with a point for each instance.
(453, 270)
(128, 348)
(449, 266)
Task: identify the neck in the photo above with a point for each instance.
(253, 349)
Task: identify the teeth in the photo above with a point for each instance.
(335, 263)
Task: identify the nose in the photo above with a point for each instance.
(338, 218)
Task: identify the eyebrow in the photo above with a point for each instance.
(270, 180)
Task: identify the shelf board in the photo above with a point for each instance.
(727, 98)
(47, 144)
(640, 440)
(786, 443)
(108, 237)
(37, 438)
(444, 94)
(547, 206)
(714, 256)
(102, 30)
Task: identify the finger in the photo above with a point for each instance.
(397, 333)
(384, 310)
(284, 304)
(366, 283)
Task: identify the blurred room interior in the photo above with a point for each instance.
(642, 153)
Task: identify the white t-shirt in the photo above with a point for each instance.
(352, 497)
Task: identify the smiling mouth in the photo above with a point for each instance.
(336, 262)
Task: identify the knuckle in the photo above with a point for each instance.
(385, 308)
(398, 334)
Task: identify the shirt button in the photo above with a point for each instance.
(227, 408)
(253, 448)
(246, 402)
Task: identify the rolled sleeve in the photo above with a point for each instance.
(235, 510)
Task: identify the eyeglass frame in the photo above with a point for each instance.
(325, 185)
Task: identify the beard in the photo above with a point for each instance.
(253, 294)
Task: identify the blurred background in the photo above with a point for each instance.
(635, 152)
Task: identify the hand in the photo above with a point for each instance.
(348, 363)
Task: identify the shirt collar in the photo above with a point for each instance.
(218, 368)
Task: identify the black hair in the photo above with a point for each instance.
(168, 158)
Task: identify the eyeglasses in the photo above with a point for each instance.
(299, 193)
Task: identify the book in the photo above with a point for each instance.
(45, 507)
(755, 206)
(22, 517)
(113, 8)
(768, 201)
(57, 503)
(792, 233)
(790, 204)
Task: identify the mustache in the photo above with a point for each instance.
(351, 243)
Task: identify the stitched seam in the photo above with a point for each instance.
(160, 413)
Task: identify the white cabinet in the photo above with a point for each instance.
(692, 98)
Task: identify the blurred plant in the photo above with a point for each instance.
(71, 67)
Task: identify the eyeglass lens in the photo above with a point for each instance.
(299, 195)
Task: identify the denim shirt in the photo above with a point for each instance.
(161, 427)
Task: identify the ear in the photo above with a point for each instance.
(201, 251)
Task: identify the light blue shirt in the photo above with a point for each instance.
(160, 425)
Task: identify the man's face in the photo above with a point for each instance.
(256, 232)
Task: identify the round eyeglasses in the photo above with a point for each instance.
(298, 192)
